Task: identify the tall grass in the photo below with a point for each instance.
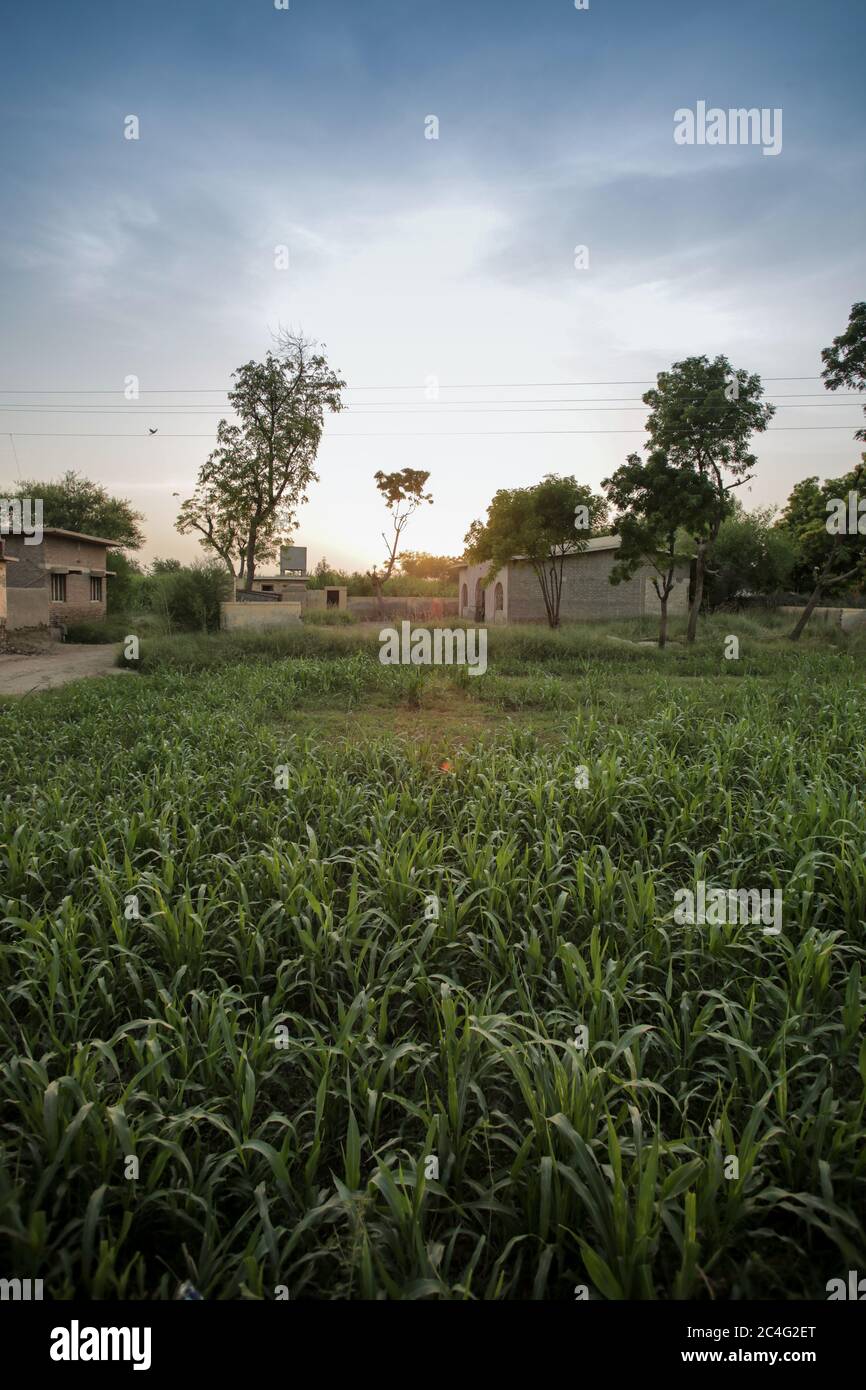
(286, 1034)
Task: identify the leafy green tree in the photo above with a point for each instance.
(188, 597)
(404, 494)
(123, 584)
(74, 503)
(544, 523)
(751, 555)
(845, 359)
(420, 565)
(249, 488)
(654, 500)
(702, 415)
(835, 557)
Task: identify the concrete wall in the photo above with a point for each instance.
(587, 593)
(421, 608)
(318, 598)
(26, 607)
(849, 619)
(258, 617)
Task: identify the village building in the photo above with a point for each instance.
(290, 585)
(59, 580)
(513, 595)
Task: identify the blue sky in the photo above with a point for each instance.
(413, 258)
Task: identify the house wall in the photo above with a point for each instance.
(587, 593)
(29, 598)
(470, 575)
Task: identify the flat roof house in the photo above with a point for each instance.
(59, 581)
(514, 594)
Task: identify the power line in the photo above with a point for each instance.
(456, 408)
(417, 386)
(397, 434)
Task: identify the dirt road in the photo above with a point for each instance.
(57, 665)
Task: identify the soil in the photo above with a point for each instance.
(28, 668)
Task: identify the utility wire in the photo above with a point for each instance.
(418, 386)
(397, 434)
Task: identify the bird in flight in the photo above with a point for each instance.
(150, 431)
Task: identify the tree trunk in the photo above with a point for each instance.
(700, 566)
(812, 604)
(251, 561)
(663, 620)
(807, 612)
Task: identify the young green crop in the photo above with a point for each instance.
(286, 1032)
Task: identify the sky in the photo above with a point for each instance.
(440, 274)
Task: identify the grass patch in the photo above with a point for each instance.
(284, 1033)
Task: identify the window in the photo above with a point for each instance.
(58, 588)
(267, 588)
(95, 588)
(332, 598)
(498, 599)
(464, 601)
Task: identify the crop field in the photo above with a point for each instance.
(326, 979)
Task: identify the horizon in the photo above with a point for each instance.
(301, 135)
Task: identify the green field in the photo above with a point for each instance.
(288, 1033)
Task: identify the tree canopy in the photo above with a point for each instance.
(544, 523)
(74, 503)
(249, 488)
(702, 415)
(845, 359)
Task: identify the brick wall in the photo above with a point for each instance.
(33, 573)
(587, 593)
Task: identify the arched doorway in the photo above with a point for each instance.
(464, 601)
(479, 602)
(498, 604)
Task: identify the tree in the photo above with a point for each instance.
(655, 500)
(404, 494)
(250, 486)
(751, 555)
(845, 360)
(540, 522)
(835, 554)
(74, 503)
(702, 414)
(420, 565)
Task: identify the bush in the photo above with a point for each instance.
(114, 629)
(189, 598)
(327, 617)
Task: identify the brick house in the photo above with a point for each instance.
(5, 559)
(514, 594)
(60, 581)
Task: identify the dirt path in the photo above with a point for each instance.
(62, 663)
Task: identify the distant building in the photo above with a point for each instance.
(513, 595)
(5, 560)
(289, 586)
(60, 581)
